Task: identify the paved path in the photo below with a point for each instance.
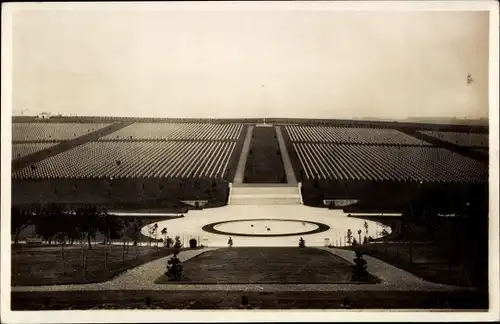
(143, 277)
(287, 164)
(242, 162)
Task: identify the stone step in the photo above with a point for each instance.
(265, 201)
(264, 190)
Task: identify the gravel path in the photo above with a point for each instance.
(143, 277)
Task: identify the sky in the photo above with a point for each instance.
(250, 63)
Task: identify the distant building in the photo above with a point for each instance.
(44, 115)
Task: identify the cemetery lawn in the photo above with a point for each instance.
(428, 261)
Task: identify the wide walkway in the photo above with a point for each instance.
(143, 277)
(242, 162)
(287, 163)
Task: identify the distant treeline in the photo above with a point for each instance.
(454, 124)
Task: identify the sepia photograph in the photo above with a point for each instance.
(245, 161)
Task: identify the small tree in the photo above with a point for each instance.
(177, 243)
(61, 240)
(124, 231)
(132, 230)
(168, 241)
(109, 226)
(20, 219)
(359, 235)
(71, 228)
(164, 233)
(384, 237)
(174, 267)
(359, 272)
(50, 220)
(153, 230)
(302, 243)
(365, 225)
(349, 236)
(150, 232)
(89, 218)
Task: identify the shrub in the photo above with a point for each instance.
(193, 243)
(244, 302)
(302, 243)
(174, 267)
(168, 242)
(359, 272)
(177, 243)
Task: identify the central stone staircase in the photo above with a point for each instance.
(264, 195)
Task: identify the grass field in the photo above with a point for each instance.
(46, 265)
(257, 300)
(429, 261)
(261, 266)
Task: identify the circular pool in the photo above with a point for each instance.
(265, 227)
